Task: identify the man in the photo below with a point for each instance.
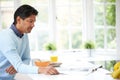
(14, 46)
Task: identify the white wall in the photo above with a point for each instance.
(118, 27)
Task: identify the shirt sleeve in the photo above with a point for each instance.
(16, 61)
(10, 52)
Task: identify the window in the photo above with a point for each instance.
(105, 22)
(6, 13)
(67, 22)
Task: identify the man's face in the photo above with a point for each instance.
(27, 24)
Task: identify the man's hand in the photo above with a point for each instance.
(11, 70)
(48, 70)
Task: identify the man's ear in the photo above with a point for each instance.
(18, 19)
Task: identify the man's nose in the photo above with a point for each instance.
(33, 25)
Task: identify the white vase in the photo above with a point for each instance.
(90, 52)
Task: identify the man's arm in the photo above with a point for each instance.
(42, 70)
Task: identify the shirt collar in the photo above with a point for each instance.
(13, 27)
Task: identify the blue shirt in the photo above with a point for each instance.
(14, 50)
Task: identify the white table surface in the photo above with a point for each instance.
(79, 71)
(74, 75)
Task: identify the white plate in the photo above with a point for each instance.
(57, 64)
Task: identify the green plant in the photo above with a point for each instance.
(89, 45)
(50, 46)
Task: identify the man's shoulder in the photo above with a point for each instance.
(5, 32)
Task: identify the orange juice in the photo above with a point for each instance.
(54, 58)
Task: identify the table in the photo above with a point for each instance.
(80, 71)
(20, 76)
(74, 75)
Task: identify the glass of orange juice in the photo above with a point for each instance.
(53, 58)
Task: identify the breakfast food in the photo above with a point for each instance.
(42, 63)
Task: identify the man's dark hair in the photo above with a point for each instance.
(24, 11)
